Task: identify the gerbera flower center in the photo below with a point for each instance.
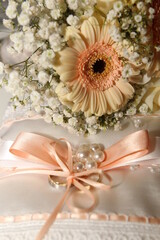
(99, 66)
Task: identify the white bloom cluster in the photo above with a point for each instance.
(40, 35)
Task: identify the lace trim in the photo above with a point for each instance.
(81, 230)
(84, 216)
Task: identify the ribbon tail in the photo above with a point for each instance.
(15, 171)
(84, 190)
(53, 216)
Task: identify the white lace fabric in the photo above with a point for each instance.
(81, 230)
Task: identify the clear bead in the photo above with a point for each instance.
(83, 154)
(78, 167)
(99, 156)
(90, 164)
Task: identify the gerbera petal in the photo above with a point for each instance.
(126, 88)
(96, 27)
(69, 76)
(75, 40)
(102, 104)
(85, 103)
(77, 107)
(93, 102)
(116, 96)
(78, 93)
(88, 32)
(88, 113)
(68, 51)
(66, 68)
(105, 37)
(110, 101)
(68, 56)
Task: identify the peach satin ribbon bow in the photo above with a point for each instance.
(55, 158)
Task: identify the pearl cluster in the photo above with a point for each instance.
(88, 156)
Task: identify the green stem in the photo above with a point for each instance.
(25, 61)
(1, 6)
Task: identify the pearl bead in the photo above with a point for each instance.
(78, 167)
(99, 156)
(90, 164)
(83, 154)
(94, 147)
(83, 160)
(83, 147)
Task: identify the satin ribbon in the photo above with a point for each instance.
(55, 158)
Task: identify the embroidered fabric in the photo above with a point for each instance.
(81, 230)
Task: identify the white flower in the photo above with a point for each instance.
(145, 60)
(138, 18)
(55, 13)
(35, 97)
(88, 12)
(144, 39)
(29, 37)
(143, 31)
(91, 120)
(117, 126)
(25, 6)
(43, 77)
(151, 10)
(53, 102)
(140, 5)
(1, 67)
(92, 131)
(46, 59)
(8, 23)
(133, 34)
(56, 42)
(16, 37)
(58, 119)
(11, 10)
(14, 75)
(50, 54)
(43, 23)
(73, 121)
(111, 15)
(50, 4)
(115, 34)
(118, 6)
(143, 108)
(66, 113)
(72, 20)
(48, 118)
(127, 71)
(131, 111)
(73, 4)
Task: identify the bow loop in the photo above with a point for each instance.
(131, 147)
(56, 157)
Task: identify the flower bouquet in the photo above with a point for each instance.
(86, 65)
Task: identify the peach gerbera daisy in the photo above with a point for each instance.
(91, 69)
